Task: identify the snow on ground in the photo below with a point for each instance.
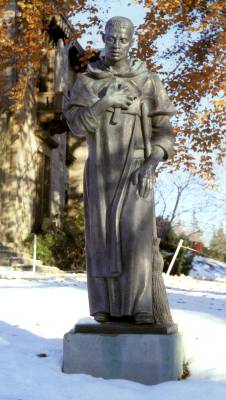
(35, 314)
(206, 268)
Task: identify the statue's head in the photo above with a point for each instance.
(118, 38)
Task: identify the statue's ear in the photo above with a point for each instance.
(103, 36)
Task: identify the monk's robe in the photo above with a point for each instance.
(120, 228)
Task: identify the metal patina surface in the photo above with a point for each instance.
(123, 111)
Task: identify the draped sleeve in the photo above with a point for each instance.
(160, 111)
(162, 135)
(77, 108)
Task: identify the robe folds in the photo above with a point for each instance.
(119, 225)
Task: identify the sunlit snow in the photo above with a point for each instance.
(35, 314)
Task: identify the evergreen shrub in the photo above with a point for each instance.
(168, 245)
(64, 246)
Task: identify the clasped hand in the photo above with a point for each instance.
(144, 179)
(118, 96)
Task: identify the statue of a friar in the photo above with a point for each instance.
(123, 111)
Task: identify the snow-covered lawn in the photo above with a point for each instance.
(35, 314)
(206, 268)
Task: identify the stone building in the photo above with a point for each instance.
(39, 172)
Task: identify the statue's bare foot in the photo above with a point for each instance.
(102, 317)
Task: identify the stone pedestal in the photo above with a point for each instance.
(149, 355)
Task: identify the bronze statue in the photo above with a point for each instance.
(123, 111)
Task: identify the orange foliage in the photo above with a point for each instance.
(25, 47)
(196, 81)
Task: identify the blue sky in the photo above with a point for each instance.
(135, 12)
(209, 205)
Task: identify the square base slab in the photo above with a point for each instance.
(148, 358)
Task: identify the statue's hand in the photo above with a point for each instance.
(144, 179)
(118, 96)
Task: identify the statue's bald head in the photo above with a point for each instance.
(120, 22)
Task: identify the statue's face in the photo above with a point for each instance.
(117, 41)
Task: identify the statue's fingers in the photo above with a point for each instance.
(152, 184)
(135, 178)
(146, 191)
(126, 97)
(142, 187)
(124, 102)
(125, 91)
(113, 87)
(125, 88)
(147, 188)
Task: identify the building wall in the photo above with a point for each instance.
(22, 151)
(20, 172)
(59, 177)
(79, 152)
